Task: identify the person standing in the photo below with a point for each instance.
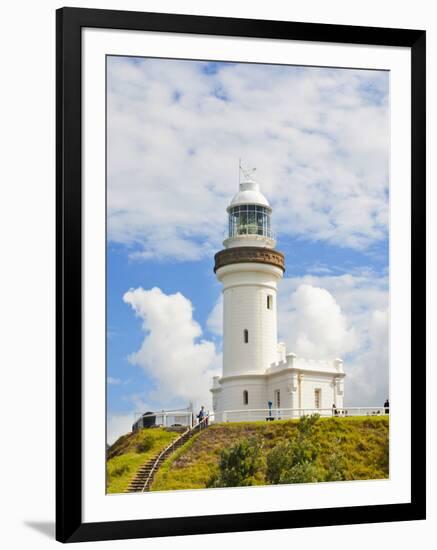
(201, 414)
(386, 406)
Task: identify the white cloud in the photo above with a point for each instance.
(318, 317)
(215, 318)
(318, 137)
(117, 425)
(314, 325)
(114, 381)
(325, 316)
(368, 380)
(173, 353)
(346, 315)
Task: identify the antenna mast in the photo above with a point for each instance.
(246, 173)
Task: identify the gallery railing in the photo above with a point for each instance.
(165, 419)
(250, 229)
(248, 415)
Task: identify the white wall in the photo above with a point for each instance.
(231, 397)
(309, 383)
(245, 290)
(261, 390)
(27, 274)
(281, 382)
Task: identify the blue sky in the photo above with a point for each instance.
(319, 140)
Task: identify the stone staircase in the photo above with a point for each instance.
(144, 477)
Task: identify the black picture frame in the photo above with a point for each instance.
(69, 24)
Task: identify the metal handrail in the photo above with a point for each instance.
(270, 233)
(164, 415)
(282, 409)
(159, 457)
(285, 413)
(171, 445)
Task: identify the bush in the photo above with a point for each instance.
(120, 470)
(144, 445)
(238, 464)
(306, 472)
(295, 461)
(307, 424)
(278, 460)
(336, 467)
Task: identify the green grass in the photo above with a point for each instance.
(362, 441)
(131, 451)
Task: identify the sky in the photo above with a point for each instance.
(319, 139)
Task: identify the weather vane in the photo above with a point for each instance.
(247, 173)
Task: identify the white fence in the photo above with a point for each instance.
(165, 419)
(248, 415)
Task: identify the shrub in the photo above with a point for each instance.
(238, 464)
(120, 470)
(144, 444)
(336, 467)
(307, 424)
(278, 460)
(305, 472)
(295, 461)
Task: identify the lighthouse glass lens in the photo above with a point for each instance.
(249, 220)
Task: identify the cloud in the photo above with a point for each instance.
(319, 138)
(346, 315)
(349, 318)
(114, 381)
(215, 318)
(117, 425)
(172, 353)
(368, 380)
(314, 325)
(326, 316)
(318, 317)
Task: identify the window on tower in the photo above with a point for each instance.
(249, 219)
(270, 301)
(245, 397)
(246, 336)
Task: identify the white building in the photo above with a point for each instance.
(256, 368)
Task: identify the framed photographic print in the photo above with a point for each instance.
(240, 274)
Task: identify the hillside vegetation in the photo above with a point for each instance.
(284, 451)
(130, 451)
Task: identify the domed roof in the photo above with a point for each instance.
(249, 193)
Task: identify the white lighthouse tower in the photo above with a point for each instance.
(256, 369)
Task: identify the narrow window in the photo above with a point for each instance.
(277, 399)
(317, 398)
(269, 301)
(246, 336)
(245, 397)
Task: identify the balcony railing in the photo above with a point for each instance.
(253, 415)
(251, 229)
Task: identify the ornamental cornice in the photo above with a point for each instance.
(249, 254)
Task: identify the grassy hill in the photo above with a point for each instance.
(132, 450)
(357, 446)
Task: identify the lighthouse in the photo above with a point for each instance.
(257, 372)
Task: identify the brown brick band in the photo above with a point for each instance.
(248, 254)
